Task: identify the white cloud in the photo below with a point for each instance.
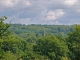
(53, 15)
(27, 3)
(59, 12)
(8, 3)
(14, 3)
(70, 2)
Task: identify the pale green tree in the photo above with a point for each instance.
(3, 27)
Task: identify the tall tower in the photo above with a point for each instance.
(44, 33)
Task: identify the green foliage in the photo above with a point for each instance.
(3, 27)
(74, 42)
(51, 47)
(9, 56)
(26, 31)
(27, 42)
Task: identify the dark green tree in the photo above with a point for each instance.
(74, 43)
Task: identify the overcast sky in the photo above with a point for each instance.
(41, 11)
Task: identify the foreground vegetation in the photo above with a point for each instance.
(39, 42)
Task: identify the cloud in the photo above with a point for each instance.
(78, 11)
(25, 21)
(53, 15)
(27, 3)
(8, 3)
(70, 2)
(14, 3)
(16, 19)
(41, 11)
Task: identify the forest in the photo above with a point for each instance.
(39, 42)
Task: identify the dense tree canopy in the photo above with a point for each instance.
(74, 42)
(52, 47)
(39, 42)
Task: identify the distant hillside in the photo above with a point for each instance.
(40, 30)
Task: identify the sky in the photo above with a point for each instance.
(58, 12)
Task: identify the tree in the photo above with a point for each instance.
(74, 43)
(3, 27)
(52, 47)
